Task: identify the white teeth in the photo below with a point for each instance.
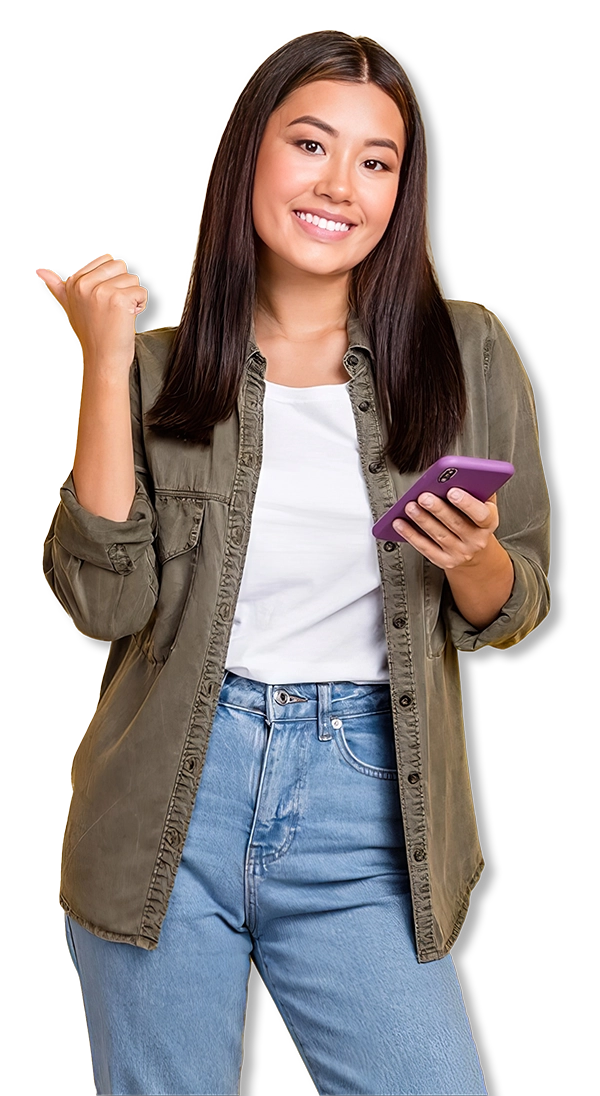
(322, 222)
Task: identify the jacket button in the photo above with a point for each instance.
(389, 545)
(419, 854)
(413, 778)
(405, 700)
(353, 360)
(364, 405)
(375, 466)
(399, 622)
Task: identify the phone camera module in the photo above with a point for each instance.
(447, 474)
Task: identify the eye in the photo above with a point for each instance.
(317, 144)
(379, 165)
(314, 144)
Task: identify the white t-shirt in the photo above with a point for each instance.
(310, 605)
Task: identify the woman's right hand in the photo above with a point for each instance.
(101, 301)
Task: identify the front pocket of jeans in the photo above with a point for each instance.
(366, 743)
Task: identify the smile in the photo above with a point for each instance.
(323, 224)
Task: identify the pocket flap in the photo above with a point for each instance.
(179, 524)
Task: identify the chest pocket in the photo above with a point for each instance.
(435, 625)
(177, 543)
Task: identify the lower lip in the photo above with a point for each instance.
(322, 233)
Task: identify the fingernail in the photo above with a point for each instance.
(455, 494)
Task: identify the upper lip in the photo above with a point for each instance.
(324, 213)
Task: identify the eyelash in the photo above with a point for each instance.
(309, 141)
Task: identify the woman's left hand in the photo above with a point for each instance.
(453, 535)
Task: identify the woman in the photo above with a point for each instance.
(276, 769)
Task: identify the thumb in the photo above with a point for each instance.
(55, 284)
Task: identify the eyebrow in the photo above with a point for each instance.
(309, 119)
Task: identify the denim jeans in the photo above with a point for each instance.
(295, 860)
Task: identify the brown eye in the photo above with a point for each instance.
(310, 146)
(378, 163)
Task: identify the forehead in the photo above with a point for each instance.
(359, 110)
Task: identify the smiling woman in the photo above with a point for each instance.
(276, 771)
(308, 192)
(301, 137)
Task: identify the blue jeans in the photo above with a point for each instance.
(294, 859)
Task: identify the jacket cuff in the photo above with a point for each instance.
(113, 545)
(527, 605)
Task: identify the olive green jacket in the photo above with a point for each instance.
(162, 587)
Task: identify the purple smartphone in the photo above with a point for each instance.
(476, 475)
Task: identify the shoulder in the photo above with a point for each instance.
(152, 347)
(482, 339)
(151, 354)
(471, 321)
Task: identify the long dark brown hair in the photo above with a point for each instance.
(417, 368)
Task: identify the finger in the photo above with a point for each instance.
(55, 284)
(427, 547)
(111, 268)
(443, 526)
(102, 255)
(454, 519)
(136, 293)
(478, 511)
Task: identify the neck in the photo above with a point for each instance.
(297, 305)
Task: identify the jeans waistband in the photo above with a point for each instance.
(304, 699)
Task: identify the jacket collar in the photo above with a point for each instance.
(357, 340)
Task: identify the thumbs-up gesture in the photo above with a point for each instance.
(101, 301)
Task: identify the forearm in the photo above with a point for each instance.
(103, 468)
(482, 586)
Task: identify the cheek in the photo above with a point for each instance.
(280, 179)
(379, 207)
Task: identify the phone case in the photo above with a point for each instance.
(479, 476)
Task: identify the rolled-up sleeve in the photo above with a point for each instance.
(104, 572)
(523, 504)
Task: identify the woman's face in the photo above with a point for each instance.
(327, 175)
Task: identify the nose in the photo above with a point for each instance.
(335, 182)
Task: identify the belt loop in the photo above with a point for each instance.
(323, 710)
(269, 716)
